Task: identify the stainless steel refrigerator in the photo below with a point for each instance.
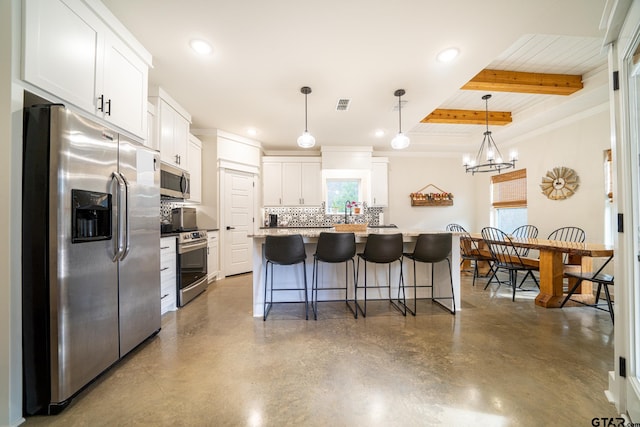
(91, 257)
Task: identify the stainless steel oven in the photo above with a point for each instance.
(192, 265)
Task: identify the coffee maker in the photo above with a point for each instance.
(273, 220)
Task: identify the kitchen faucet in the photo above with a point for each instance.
(345, 211)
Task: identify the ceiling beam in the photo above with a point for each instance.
(516, 81)
(468, 117)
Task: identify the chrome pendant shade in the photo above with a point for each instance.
(400, 141)
(489, 158)
(306, 140)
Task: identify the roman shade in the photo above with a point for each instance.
(509, 190)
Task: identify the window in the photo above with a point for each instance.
(509, 199)
(341, 191)
(344, 185)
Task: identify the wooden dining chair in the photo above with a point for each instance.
(506, 257)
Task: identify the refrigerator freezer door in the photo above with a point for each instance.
(83, 287)
(84, 299)
(139, 268)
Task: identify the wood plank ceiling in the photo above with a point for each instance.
(506, 81)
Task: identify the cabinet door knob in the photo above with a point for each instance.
(230, 228)
(101, 103)
(108, 112)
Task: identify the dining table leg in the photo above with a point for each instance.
(551, 293)
(551, 280)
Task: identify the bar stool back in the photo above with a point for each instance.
(381, 249)
(333, 248)
(284, 250)
(432, 249)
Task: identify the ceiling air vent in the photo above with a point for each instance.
(343, 104)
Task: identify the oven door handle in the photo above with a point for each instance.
(188, 247)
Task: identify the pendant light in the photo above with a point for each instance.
(488, 158)
(306, 140)
(400, 141)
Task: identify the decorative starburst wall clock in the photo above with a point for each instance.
(560, 183)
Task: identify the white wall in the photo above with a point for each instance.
(208, 208)
(578, 145)
(409, 174)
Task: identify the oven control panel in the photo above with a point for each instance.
(191, 236)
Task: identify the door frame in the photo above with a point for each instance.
(623, 38)
(225, 167)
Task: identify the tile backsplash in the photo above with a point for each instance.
(317, 216)
(297, 216)
(165, 208)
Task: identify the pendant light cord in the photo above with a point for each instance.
(399, 115)
(305, 113)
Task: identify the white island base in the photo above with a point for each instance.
(333, 275)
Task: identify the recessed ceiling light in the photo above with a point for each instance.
(252, 131)
(448, 55)
(201, 46)
(379, 133)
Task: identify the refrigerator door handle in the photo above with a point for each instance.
(119, 243)
(126, 245)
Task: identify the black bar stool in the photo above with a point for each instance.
(432, 249)
(381, 249)
(333, 248)
(284, 250)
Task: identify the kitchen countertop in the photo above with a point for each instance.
(311, 233)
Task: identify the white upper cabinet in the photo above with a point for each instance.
(291, 184)
(379, 182)
(291, 181)
(123, 99)
(70, 52)
(152, 127)
(311, 184)
(53, 63)
(272, 184)
(173, 129)
(194, 160)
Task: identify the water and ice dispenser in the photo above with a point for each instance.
(91, 218)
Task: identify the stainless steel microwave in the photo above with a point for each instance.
(174, 183)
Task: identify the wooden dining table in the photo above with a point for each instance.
(551, 266)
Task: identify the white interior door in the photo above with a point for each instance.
(238, 221)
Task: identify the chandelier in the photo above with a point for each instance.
(489, 158)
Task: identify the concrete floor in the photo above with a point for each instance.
(496, 363)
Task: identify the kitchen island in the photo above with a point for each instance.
(333, 274)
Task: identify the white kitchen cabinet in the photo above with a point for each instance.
(292, 182)
(272, 184)
(194, 162)
(173, 128)
(70, 52)
(152, 127)
(311, 184)
(168, 278)
(212, 255)
(379, 182)
(123, 98)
